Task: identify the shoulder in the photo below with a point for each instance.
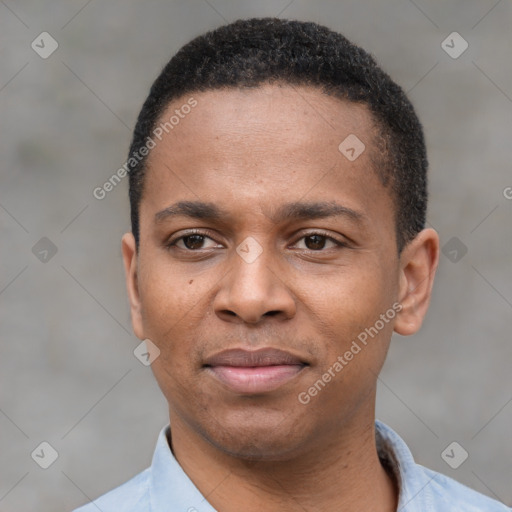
(425, 490)
(448, 492)
(132, 496)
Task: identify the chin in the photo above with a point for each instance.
(272, 438)
(254, 447)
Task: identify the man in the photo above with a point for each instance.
(278, 201)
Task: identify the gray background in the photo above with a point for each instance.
(68, 375)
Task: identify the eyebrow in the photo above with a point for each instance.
(290, 211)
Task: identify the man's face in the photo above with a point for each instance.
(254, 278)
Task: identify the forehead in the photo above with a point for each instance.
(271, 144)
(274, 114)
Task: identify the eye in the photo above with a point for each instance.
(192, 241)
(316, 241)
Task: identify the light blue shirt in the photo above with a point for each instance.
(165, 487)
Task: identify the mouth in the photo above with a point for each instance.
(255, 371)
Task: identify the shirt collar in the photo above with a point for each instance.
(413, 484)
(169, 485)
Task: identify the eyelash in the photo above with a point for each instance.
(172, 243)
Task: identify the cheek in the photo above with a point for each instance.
(176, 317)
(355, 318)
(356, 341)
(167, 306)
(353, 299)
(171, 295)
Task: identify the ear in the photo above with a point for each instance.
(129, 251)
(418, 265)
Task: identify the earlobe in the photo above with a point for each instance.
(418, 264)
(130, 259)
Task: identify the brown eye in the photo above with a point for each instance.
(193, 242)
(316, 242)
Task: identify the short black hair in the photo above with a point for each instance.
(257, 51)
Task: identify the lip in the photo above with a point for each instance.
(254, 371)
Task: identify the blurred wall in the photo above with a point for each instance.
(68, 375)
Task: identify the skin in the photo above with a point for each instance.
(249, 152)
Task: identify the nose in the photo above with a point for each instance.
(253, 290)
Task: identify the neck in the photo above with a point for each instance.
(342, 473)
